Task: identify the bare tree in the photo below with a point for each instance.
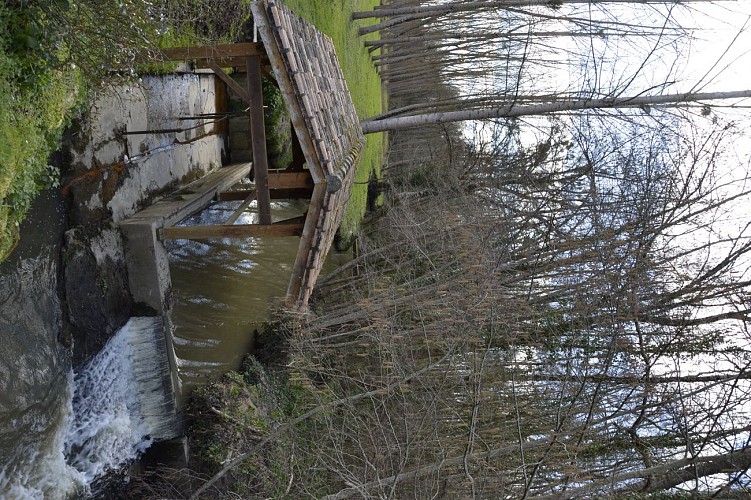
(512, 111)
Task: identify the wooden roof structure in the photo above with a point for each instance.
(303, 64)
(326, 124)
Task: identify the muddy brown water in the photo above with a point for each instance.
(223, 290)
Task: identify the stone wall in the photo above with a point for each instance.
(109, 175)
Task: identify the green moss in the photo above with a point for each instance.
(278, 130)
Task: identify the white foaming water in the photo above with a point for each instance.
(39, 470)
(118, 404)
(119, 401)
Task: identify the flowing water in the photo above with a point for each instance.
(92, 421)
(34, 367)
(223, 290)
(59, 431)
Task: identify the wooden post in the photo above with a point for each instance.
(258, 139)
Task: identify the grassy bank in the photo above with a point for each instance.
(36, 96)
(334, 19)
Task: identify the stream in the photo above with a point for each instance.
(64, 420)
(222, 289)
(60, 430)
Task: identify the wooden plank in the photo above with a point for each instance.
(290, 180)
(247, 49)
(258, 139)
(190, 199)
(276, 194)
(236, 214)
(231, 231)
(236, 87)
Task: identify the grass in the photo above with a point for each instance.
(27, 136)
(35, 101)
(334, 19)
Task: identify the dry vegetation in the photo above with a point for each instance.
(561, 318)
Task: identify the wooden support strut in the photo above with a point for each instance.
(231, 83)
(214, 52)
(289, 227)
(237, 213)
(258, 139)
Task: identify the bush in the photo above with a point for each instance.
(36, 95)
(230, 416)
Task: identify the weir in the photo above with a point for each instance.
(148, 264)
(120, 402)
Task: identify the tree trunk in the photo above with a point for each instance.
(373, 126)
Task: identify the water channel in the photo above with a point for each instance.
(222, 290)
(61, 429)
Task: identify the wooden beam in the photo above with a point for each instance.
(238, 63)
(258, 139)
(231, 231)
(247, 49)
(231, 83)
(276, 194)
(236, 214)
(280, 179)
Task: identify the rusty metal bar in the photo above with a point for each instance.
(173, 130)
(207, 116)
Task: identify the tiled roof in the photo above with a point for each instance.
(313, 86)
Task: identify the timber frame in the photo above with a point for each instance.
(327, 137)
